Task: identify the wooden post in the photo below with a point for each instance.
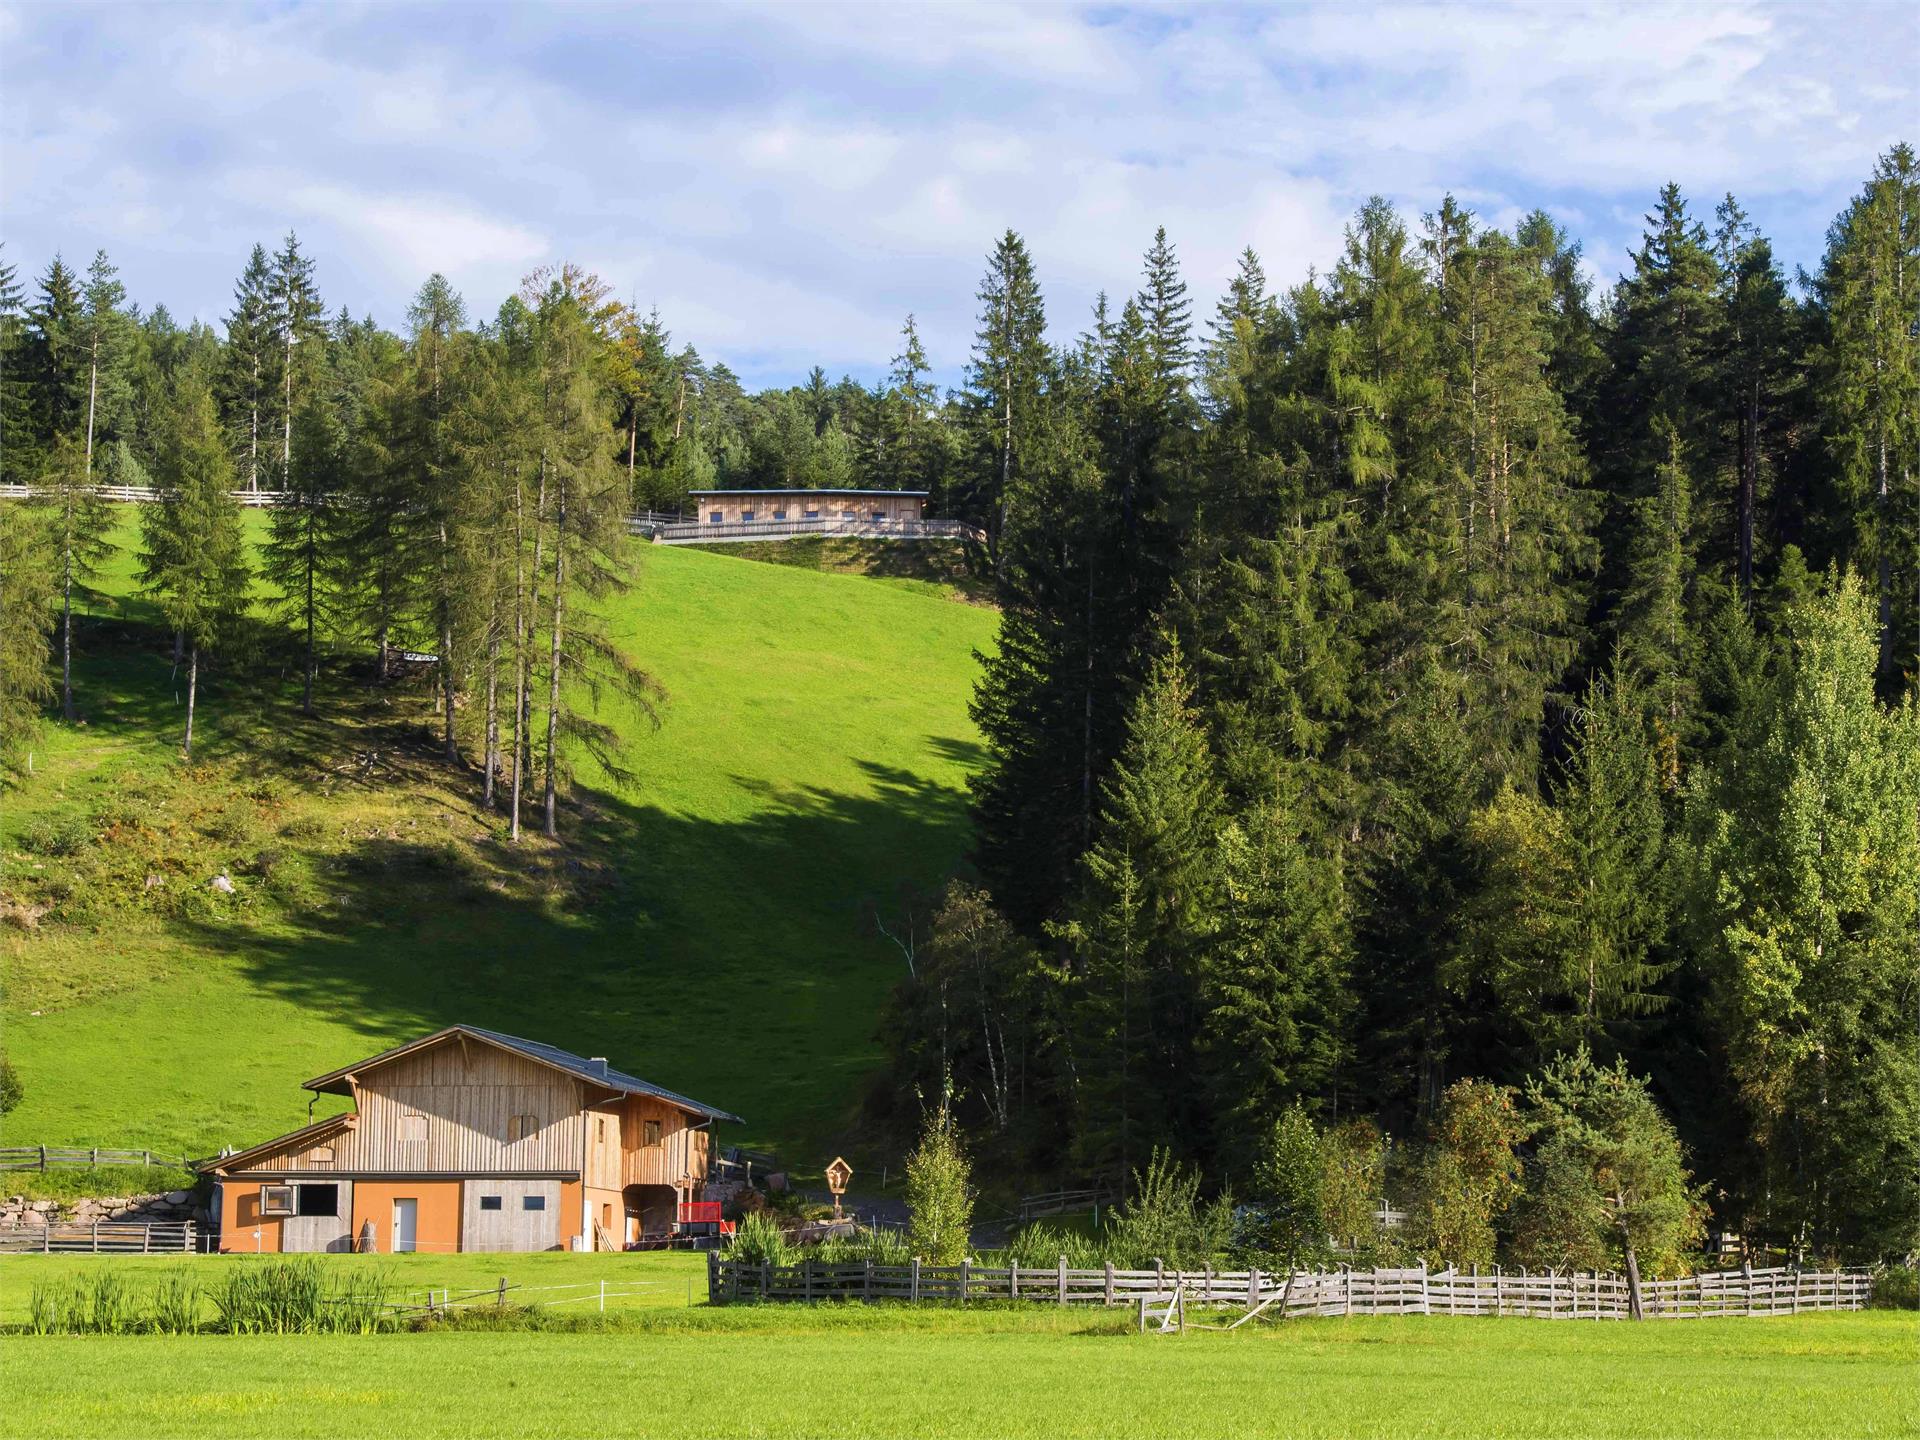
(1426, 1307)
(1253, 1288)
(96, 1237)
(766, 1278)
(500, 1295)
(1143, 1314)
(1013, 1279)
(1109, 1296)
(965, 1266)
(913, 1280)
(868, 1288)
(1060, 1281)
(603, 1297)
(713, 1278)
(806, 1279)
(1746, 1280)
(43, 1157)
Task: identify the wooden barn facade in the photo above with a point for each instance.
(468, 1139)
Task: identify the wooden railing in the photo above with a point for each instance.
(103, 1237)
(58, 1157)
(147, 495)
(1416, 1291)
(728, 532)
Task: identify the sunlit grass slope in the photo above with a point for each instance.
(703, 924)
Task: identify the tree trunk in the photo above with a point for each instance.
(306, 694)
(193, 687)
(66, 617)
(553, 675)
(493, 709)
(1749, 475)
(1633, 1283)
(93, 383)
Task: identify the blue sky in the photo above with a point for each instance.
(786, 182)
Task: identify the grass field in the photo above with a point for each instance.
(851, 1371)
(703, 925)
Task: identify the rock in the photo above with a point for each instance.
(154, 882)
(178, 1197)
(221, 883)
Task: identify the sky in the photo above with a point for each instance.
(786, 182)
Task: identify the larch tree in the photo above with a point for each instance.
(194, 560)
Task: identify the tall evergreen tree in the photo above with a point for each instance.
(1005, 382)
(248, 368)
(194, 557)
(54, 358)
(78, 524)
(304, 556)
(104, 341)
(299, 323)
(27, 587)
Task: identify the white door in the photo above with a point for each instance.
(405, 1217)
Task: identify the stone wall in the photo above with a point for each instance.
(17, 1211)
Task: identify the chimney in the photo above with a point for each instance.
(598, 1064)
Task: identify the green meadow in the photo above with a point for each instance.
(847, 1371)
(706, 920)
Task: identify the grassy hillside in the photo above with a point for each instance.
(702, 925)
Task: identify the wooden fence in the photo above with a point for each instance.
(1417, 1291)
(729, 532)
(147, 495)
(57, 1157)
(104, 1237)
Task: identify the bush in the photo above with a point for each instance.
(48, 835)
(938, 1198)
(1164, 1220)
(882, 1247)
(10, 1087)
(759, 1240)
(1287, 1228)
(1897, 1287)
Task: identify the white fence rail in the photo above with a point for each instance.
(1417, 1291)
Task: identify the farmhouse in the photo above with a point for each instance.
(749, 507)
(467, 1139)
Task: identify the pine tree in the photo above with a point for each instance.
(27, 587)
(78, 523)
(299, 321)
(1145, 915)
(1869, 388)
(1005, 382)
(104, 341)
(303, 559)
(248, 364)
(54, 362)
(18, 449)
(194, 561)
(1806, 885)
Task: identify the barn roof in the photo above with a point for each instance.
(596, 1072)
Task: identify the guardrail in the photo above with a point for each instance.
(65, 1157)
(1416, 1291)
(104, 1237)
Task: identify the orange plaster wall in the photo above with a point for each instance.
(243, 1229)
(569, 1212)
(615, 1201)
(436, 1218)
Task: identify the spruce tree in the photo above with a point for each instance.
(55, 361)
(304, 556)
(248, 365)
(104, 341)
(1005, 381)
(27, 588)
(299, 323)
(194, 560)
(78, 523)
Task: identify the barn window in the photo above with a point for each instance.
(413, 1127)
(779, 514)
(521, 1127)
(746, 514)
(846, 515)
(879, 514)
(489, 1202)
(600, 1128)
(321, 1158)
(715, 517)
(813, 514)
(276, 1199)
(650, 1132)
(533, 1202)
(318, 1200)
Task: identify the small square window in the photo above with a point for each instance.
(846, 515)
(650, 1132)
(715, 517)
(813, 514)
(600, 1128)
(276, 1199)
(879, 515)
(779, 514)
(413, 1127)
(533, 1202)
(521, 1127)
(489, 1202)
(746, 515)
(318, 1200)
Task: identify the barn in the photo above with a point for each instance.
(776, 507)
(469, 1139)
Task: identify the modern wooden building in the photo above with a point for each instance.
(467, 1139)
(749, 507)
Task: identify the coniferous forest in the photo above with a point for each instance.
(1430, 676)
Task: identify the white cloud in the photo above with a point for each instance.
(786, 182)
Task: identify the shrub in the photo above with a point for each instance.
(938, 1198)
(10, 1087)
(1164, 1220)
(1041, 1246)
(1353, 1181)
(1897, 1287)
(1468, 1175)
(1287, 1227)
(759, 1240)
(48, 835)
